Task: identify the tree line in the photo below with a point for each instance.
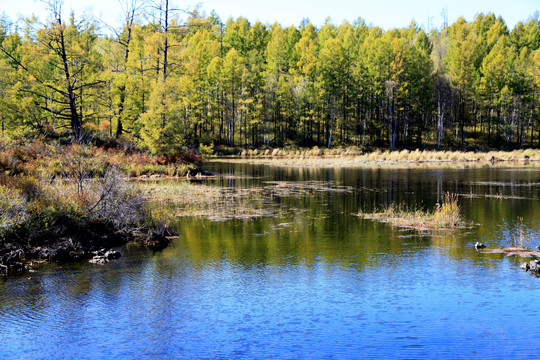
(168, 78)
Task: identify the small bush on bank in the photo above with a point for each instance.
(31, 209)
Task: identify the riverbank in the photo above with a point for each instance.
(66, 202)
(70, 219)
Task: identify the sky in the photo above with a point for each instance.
(384, 13)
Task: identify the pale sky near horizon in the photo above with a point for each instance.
(384, 13)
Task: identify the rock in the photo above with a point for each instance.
(103, 257)
(99, 252)
(112, 255)
(77, 255)
(3, 270)
(156, 242)
(534, 265)
(32, 253)
(12, 263)
(58, 254)
(16, 268)
(524, 267)
(98, 260)
(61, 254)
(479, 245)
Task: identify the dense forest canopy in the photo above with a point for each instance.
(168, 79)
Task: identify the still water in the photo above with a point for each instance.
(308, 280)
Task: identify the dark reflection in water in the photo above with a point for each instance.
(316, 282)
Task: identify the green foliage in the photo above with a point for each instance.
(206, 150)
(172, 85)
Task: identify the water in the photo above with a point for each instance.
(313, 282)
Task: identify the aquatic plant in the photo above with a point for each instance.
(446, 215)
(523, 238)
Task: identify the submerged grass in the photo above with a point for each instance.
(445, 216)
(185, 198)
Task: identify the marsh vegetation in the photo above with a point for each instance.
(445, 216)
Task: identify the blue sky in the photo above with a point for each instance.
(384, 13)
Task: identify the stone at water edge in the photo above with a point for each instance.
(112, 254)
(534, 265)
(99, 252)
(98, 260)
(479, 245)
(102, 257)
(524, 266)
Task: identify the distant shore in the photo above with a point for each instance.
(354, 157)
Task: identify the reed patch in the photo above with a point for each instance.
(445, 216)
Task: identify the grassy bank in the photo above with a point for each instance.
(444, 216)
(67, 219)
(61, 202)
(354, 156)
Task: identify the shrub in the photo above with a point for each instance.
(159, 221)
(13, 208)
(206, 150)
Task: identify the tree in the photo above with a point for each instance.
(62, 68)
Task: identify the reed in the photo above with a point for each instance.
(355, 154)
(446, 215)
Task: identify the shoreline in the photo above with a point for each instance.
(355, 157)
(358, 162)
(16, 259)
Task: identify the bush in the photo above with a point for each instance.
(206, 150)
(13, 208)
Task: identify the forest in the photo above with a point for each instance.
(169, 79)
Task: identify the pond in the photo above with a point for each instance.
(304, 277)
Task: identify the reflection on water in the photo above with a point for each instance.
(315, 282)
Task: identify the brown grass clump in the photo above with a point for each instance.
(446, 215)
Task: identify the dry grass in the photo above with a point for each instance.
(355, 155)
(523, 238)
(365, 162)
(445, 216)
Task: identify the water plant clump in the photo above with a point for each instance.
(446, 215)
(520, 243)
(523, 238)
